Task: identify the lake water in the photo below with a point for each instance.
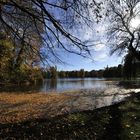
(75, 84)
(59, 85)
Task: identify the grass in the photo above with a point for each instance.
(117, 122)
(21, 107)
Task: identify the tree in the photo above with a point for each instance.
(10, 70)
(129, 66)
(19, 28)
(62, 74)
(82, 73)
(113, 71)
(124, 33)
(56, 19)
(6, 57)
(53, 72)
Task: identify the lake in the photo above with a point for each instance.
(60, 85)
(76, 83)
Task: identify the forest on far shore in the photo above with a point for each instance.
(116, 71)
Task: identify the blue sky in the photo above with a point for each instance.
(100, 50)
(100, 44)
(101, 61)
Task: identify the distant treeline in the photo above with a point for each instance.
(108, 72)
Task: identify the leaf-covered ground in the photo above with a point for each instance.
(117, 122)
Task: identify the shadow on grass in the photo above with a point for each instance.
(82, 125)
(116, 122)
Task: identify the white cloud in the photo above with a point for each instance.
(135, 23)
(99, 47)
(101, 28)
(87, 34)
(101, 57)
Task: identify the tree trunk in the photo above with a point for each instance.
(19, 58)
(135, 53)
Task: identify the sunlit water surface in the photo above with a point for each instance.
(87, 93)
(75, 84)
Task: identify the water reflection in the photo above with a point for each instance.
(49, 85)
(89, 100)
(59, 85)
(21, 88)
(72, 84)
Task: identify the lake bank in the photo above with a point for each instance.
(118, 121)
(18, 107)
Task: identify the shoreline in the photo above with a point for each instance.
(18, 107)
(117, 121)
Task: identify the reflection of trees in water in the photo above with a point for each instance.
(73, 83)
(22, 88)
(61, 82)
(82, 82)
(53, 84)
(49, 84)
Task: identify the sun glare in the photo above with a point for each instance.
(135, 23)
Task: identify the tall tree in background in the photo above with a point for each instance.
(125, 26)
(82, 73)
(124, 32)
(130, 66)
